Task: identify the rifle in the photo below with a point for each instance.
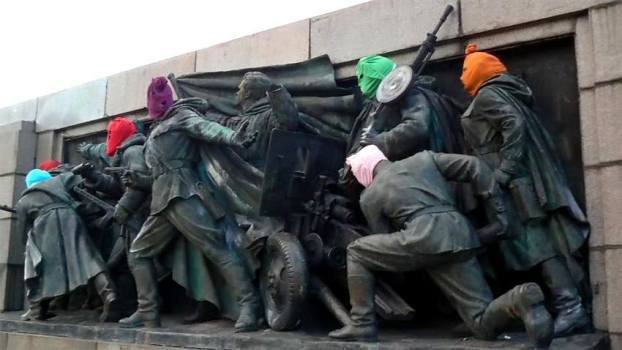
(401, 78)
(131, 223)
(7, 208)
(115, 170)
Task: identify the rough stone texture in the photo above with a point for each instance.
(608, 104)
(72, 106)
(55, 343)
(584, 51)
(594, 203)
(611, 182)
(616, 341)
(378, 27)
(22, 111)
(219, 335)
(281, 45)
(19, 341)
(614, 289)
(598, 279)
(524, 34)
(589, 127)
(505, 13)
(607, 28)
(127, 90)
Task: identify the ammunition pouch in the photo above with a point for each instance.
(525, 200)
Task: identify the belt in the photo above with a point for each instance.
(485, 149)
(435, 209)
(46, 208)
(172, 165)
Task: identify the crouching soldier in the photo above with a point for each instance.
(182, 205)
(60, 255)
(409, 204)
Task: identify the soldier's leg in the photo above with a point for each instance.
(191, 218)
(571, 315)
(112, 304)
(154, 236)
(365, 255)
(38, 310)
(464, 285)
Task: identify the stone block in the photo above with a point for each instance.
(607, 29)
(584, 52)
(505, 13)
(611, 182)
(281, 45)
(127, 91)
(58, 343)
(614, 289)
(17, 142)
(615, 341)
(11, 287)
(26, 110)
(589, 127)
(45, 146)
(608, 106)
(598, 279)
(4, 337)
(524, 34)
(378, 27)
(11, 245)
(18, 341)
(73, 106)
(594, 204)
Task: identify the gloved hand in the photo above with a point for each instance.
(82, 148)
(502, 178)
(120, 214)
(497, 214)
(245, 140)
(127, 178)
(369, 137)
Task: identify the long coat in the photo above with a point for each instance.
(411, 208)
(503, 130)
(60, 255)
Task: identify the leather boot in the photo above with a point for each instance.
(148, 313)
(571, 316)
(104, 286)
(37, 310)
(525, 301)
(361, 285)
(246, 296)
(204, 311)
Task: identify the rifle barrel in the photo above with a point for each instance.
(448, 10)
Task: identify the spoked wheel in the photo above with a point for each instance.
(283, 281)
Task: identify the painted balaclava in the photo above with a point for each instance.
(252, 88)
(35, 176)
(49, 164)
(119, 129)
(479, 67)
(159, 97)
(370, 70)
(363, 163)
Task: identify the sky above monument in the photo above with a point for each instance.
(48, 46)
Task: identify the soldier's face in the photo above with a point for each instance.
(240, 96)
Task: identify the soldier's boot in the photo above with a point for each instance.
(246, 296)
(111, 311)
(526, 302)
(204, 311)
(571, 316)
(37, 310)
(148, 313)
(361, 285)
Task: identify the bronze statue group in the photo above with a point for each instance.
(417, 169)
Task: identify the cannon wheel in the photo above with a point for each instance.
(283, 281)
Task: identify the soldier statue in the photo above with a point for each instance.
(60, 255)
(503, 131)
(182, 204)
(410, 207)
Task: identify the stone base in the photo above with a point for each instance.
(80, 330)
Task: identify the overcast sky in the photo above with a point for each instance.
(50, 45)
